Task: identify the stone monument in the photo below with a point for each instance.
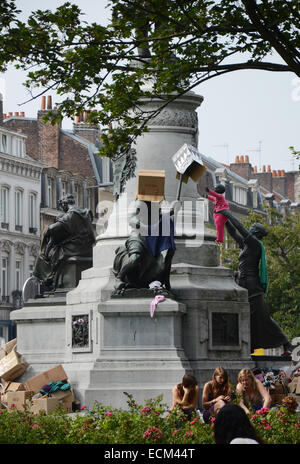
(109, 345)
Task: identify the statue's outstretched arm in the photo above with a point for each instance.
(234, 234)
(235, 222)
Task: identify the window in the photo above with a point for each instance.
(19, 148)
(18, 274)
(50, 192)
(31, 269)
(240, 195)
(32, 213)
(88, 199)
(4, 143)
(9, 145)
(4, 206)
(76, 194)
(106, 170)
(4, 279)
(18, 210)
(63, 189)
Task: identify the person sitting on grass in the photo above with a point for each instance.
(186, 395)
(216, 393)
(253, 393)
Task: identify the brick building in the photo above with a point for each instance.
(69, 157)
(278, 186)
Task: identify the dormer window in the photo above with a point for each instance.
(240, 195)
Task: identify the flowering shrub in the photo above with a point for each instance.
(277, 425)
(150, 423)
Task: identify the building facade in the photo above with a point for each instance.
(20, 197)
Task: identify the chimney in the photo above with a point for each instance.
(43, 105)
(237, 159)
(242, 159)
(264, 168)
(49, 102)
(283, 173)
(16, 113)
(269, 168)
(274, 173)
(84, 129)
(4, 116)
(255, 169)
(22, 114)
(246, 159)
(10, 114)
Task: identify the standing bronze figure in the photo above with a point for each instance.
(265, 332)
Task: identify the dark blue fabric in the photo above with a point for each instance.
(158, 242)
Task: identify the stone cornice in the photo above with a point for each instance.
(20, 166)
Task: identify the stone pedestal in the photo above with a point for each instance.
(111, 345)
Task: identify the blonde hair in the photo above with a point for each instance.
(247, 373)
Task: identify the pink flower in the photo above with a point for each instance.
(1, 412)
(188, 434)
(108, 414)
(145, 410)
(175, 431)
(297, 426)
(212, 419)
(83, 407)
(12, 405)
(268, 427)
(153, 432)
(193, 422)
(35, 426)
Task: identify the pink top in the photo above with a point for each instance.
(219, 200)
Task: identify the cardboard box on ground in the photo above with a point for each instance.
(14, 394)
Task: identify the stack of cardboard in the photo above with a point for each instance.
(28, 394)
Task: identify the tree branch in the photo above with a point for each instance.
(251, 9)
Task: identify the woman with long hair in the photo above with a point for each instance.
(232, 426)
(253, 394)
(216, 393)
(186, 395)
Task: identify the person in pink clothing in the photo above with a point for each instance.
(221, 203)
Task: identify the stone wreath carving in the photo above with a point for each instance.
(177, 118)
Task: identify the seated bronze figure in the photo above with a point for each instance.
(147, 254)
(70, 237)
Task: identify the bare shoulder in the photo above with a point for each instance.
(239, 388)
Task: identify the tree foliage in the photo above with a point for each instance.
(282, 246)
(148, 48)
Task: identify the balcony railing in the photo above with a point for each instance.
(32, 230)
(18, 228)
(4, 225)
(4, 299)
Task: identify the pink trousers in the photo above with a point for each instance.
(220, 222)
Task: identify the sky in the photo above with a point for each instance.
(254, 113)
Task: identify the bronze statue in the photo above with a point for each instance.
(147, 254)
(265, 332)
(70, 236)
